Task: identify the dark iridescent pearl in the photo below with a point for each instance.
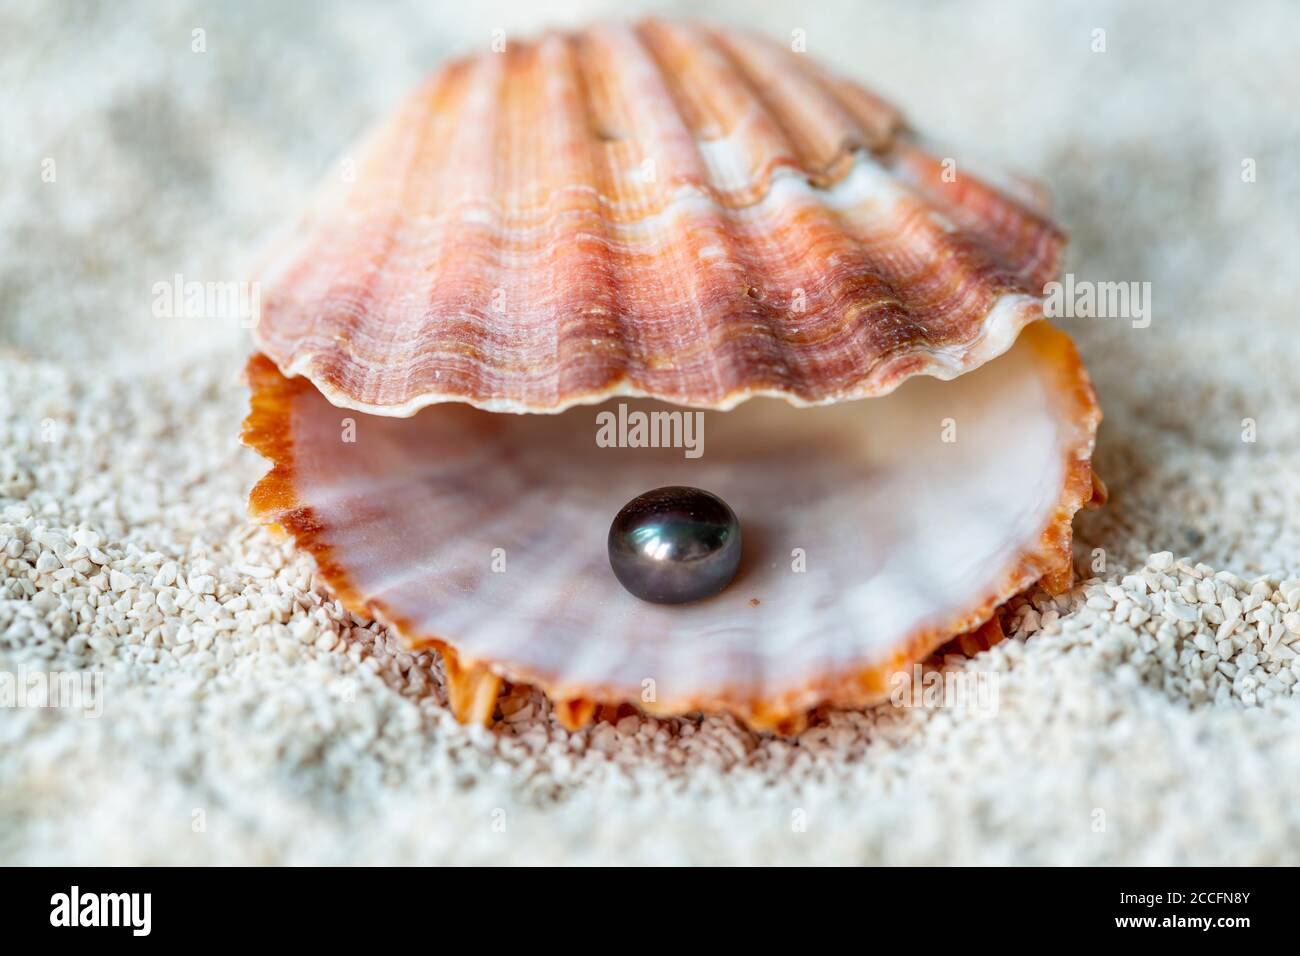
(675, 544)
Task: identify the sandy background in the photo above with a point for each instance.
(260, 723)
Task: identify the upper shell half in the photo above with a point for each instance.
(667, 210)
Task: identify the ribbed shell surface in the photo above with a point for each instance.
(688, 213)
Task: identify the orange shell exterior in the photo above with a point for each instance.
(667, 210)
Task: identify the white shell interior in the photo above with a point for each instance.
(899, 529)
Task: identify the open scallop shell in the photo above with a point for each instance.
(871, 538)
(671, 214)
(667, 210)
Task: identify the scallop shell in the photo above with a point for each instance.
(667, 210)
(869, 540)
(684, 218)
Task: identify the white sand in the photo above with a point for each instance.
(237, 695)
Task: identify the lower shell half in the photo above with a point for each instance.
(874, 532)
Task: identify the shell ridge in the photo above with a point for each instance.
(1008, 315)
(1001, 222)
(501, 252)
(682, 283)
(351, 310)
(943, 255)
(612, 274)
(761, 64)
(724, 90)
(876, 134)
(599, 331)
(791, 155)
(474, 317)
(699, 285)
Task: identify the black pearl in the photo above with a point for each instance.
(674, 545)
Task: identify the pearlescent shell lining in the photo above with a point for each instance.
(663, 210)
(483, 534)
